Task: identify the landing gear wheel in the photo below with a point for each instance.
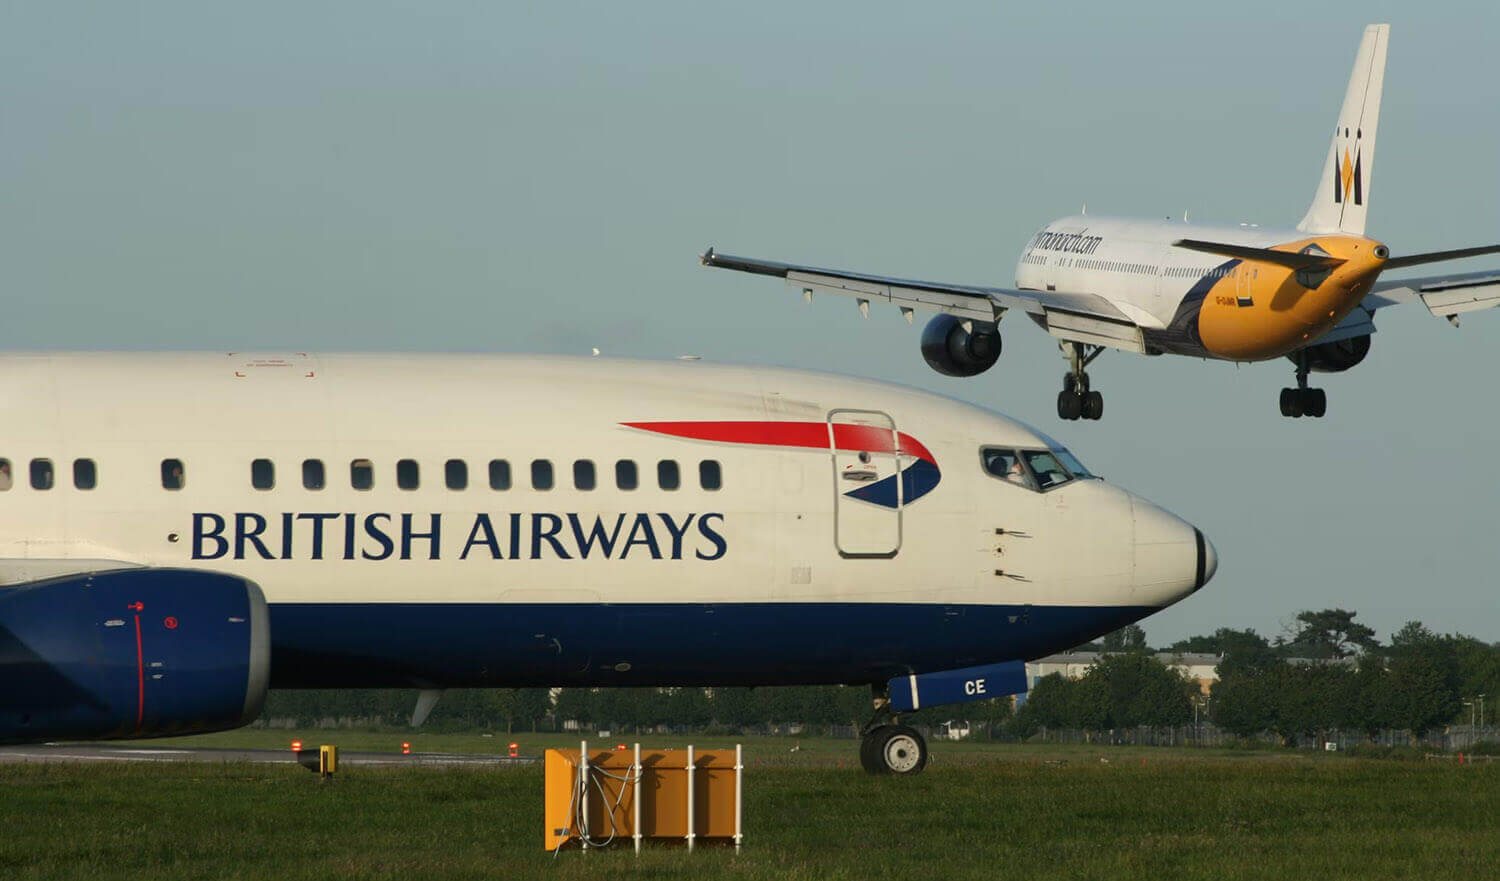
(869, 747)
(894, 749)
(1093, 405)
(1291, 402)
(1077, 399)
(1314, 402)
(1069, 405)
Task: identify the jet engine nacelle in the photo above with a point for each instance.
(131, 653)
(1338, 356)
(956, 346)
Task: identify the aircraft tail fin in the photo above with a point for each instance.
(1343, 194)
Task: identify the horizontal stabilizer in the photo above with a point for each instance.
(1440, 256)
(1289, 259)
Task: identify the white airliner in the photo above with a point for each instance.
(1233, 293)
(179, 532)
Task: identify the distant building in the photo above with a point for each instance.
(1199, 666)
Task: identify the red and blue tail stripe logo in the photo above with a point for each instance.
(918, 473)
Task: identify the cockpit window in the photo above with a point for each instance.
(1071, 463)
(1006, 465)
(1049, 472)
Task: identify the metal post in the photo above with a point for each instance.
(739, 794)
(690, 797)
(583, 793)
(635, 823)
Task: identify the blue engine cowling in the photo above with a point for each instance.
(131, 653)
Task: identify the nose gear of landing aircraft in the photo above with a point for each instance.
(885, 745)
(1076, 400)
(1303, 401)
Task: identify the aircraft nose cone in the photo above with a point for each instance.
(1172, 557)
(1208, 559)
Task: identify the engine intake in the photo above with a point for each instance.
(956, 346)
(1336, 357)
(131, 653)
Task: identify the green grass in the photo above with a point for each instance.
(759, 750)
(981, 811)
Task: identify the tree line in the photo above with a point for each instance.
(1326, 672)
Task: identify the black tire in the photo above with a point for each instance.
(1291, 403)
(1093, 405)
(869, 746)
(899, 750)
(1316, 403)
(1069, 405)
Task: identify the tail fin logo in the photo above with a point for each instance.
(1348, 179)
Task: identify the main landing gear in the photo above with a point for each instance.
(1076, 401)
(888, 747)
(1303, 401)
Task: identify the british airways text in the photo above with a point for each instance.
(506, 536)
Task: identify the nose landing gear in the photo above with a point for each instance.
(1303, 401)
(888, 747)
(1076, 400)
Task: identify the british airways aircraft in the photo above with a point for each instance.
(180, 532)
(1231, 293)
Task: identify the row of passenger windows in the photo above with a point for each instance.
(85, 474)
(408, 474)
(1149, 269)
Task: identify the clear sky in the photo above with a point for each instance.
(495, 177)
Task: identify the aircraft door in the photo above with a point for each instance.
(866, 483)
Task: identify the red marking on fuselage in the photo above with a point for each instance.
(140, 676)
(809, 435)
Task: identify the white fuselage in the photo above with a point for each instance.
(435, 574)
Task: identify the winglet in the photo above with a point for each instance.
(707, 258)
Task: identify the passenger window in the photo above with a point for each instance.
(626, 476)
(262, 474)
(85, 475)
(172, 474)
(1049, 472)
(541, 474)
(406, 474)
(668, 476)
(41, 473)
(1006, 465)
(499, 474)
(583, 474)
(313, 476)
(456, 474)
(5, 476)
(709, 475)
(362, 474)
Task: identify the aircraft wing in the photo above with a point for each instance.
(1074, 316)
(1445, 296)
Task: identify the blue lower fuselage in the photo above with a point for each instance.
(441, 645)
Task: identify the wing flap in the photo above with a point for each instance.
(1095, 331)
(1444, 296)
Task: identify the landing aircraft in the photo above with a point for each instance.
(1232, 293)
(180, 532)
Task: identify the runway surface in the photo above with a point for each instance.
(105, 753)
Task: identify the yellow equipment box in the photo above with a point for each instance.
(600, 796)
